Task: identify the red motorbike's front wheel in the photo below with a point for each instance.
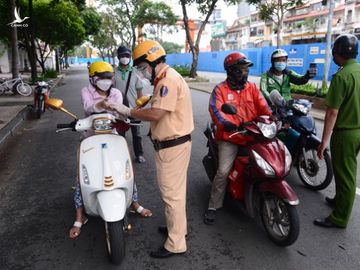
(280, 220)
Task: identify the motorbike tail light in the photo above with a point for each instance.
(263, 164)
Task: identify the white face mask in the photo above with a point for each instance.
(145, 73)
(124, 60)
(104, 85)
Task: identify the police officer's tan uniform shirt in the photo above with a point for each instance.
(171, 94)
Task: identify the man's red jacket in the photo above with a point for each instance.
(249, 103)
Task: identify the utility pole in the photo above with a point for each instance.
(328, 45)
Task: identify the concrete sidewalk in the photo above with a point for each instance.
(14, 109)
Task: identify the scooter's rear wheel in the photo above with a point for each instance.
(40, 107)
(280, 220)
(314, 173)
(115, 241)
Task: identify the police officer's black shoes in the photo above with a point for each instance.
(163, 253)
(210, 216)
(326, 223)
(331, 202)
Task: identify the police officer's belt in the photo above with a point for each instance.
(170, 143)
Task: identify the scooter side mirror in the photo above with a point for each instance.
(57, 104)
(228, 109)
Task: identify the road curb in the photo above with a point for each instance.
(10, 128)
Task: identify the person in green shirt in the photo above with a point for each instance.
(279, 77)
(342, 129)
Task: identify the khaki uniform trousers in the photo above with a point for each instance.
(227, 153)
(171, 167)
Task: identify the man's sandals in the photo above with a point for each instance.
(141, 211)
(76, 229)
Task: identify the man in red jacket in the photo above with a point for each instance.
(249, 102)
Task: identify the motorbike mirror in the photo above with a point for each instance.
(141, 102)
(57, 104)
(228, 109)
(54, 103)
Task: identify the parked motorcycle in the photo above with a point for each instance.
(302, 141)
(41, 94)
(105, 174)
(257, 182)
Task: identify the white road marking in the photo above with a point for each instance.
(358, 191)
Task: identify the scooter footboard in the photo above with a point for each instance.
(111, 204)
(281, 189)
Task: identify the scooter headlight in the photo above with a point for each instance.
(301, 108)
(288, 160)
(102, 124)
(263, 164)
(268, 130)
(127, 170)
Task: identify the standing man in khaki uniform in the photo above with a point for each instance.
(171, 122)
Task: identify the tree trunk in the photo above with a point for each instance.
(14, 45)
(57, 62)
(195, 47)
(31, 44)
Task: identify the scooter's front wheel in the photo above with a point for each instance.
(115, 241)
(280, 220)
(316, 174)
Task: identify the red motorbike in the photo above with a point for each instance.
(257, 182)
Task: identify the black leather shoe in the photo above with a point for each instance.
(210, 216)
(330, 201)
(326, 223)
(163, 253)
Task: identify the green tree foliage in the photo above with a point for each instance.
(133, 14)
(92, 21)
(171, 47)
(275, 10)
(105, 39)
(57, 25)
(206, 8)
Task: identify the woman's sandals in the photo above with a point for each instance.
(76, 229)
(142, 211)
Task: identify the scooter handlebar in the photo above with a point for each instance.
(64, 125)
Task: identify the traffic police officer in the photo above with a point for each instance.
(342, 119)
(171, 122)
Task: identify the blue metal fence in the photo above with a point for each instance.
(300, 57)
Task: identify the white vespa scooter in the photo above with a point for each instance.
(105, 174)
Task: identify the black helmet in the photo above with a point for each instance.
(346, 45)
(123, 51)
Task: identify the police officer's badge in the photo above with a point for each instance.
(163, 91)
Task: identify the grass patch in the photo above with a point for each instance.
(309, 89)
(182, 70)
